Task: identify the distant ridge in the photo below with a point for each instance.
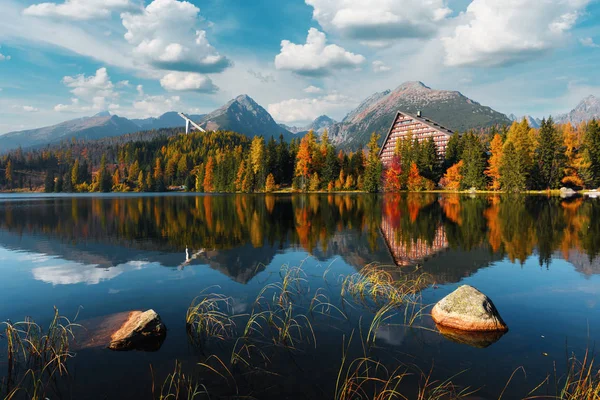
(243, 115)
(375, 114)
(586, 110)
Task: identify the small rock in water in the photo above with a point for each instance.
(141, 331)
(467, 309)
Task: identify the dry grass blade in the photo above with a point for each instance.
(209, 317)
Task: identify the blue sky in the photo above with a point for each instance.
(297, 58)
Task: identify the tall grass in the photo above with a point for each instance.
(209, 317)
(177, 386)
(35, 356)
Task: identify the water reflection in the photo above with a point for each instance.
(451, 236)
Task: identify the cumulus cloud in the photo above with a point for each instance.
(74, 273)
(589, 42)
(379, 66)
(494, 33)
(379, 21)
(315, 58)
(313, 90)
(165, 35)
(30, 109)
(95, 92)
(77, 9)
(188, 81)
(303, 110)
(151, 106)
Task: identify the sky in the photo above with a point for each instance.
(297, 58)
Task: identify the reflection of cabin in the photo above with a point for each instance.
(406, 253)
(422, 129)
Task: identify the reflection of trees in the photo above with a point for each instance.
(514, 226)
(415, 226)
(173, 223)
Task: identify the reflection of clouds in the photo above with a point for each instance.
(72, 273)
(392, 335)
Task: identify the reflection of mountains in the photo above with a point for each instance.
(449, 235)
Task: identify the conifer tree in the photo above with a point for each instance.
(548, 159)
(474, 159)
(592, 153)
(511, 175)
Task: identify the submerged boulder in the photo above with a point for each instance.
(478, 339)
(467, 309)
(140, 331)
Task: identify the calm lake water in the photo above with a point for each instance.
(537, 258)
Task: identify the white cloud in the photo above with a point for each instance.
(30, 109)
(77, 9)
(313, 90)
(95, 92)
(73, 273)
(379, 66)
(304, 110)
(379, 21)
(315, 58)
(589, 42)
(494, 33)
(166, 36)
(152, 106)
(187, 81)
(123, 84)
(140, 89)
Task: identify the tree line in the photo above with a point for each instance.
(512, 159)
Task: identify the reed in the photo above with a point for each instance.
(582, 380)
(177, 386)
(209, 317)
(35, 356)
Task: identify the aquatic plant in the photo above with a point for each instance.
(177, 386)
(209, 317)
(34, 357)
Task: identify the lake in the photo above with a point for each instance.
(536, 257)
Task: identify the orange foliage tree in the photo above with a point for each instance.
(452, 177)
(493, 169)
(392, 176)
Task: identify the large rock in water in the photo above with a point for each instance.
(467, 309)
(141, 331)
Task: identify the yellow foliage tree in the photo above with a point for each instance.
(493, 169)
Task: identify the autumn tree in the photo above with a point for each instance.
(374, 167)
(415, 180)
(493, 169)
(209, 170)
(453, 177)
(315, 182)
(304, 160)
(257, 161)
(574, 160)
(270, 184)
(391, 180)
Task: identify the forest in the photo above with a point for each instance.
(510, 159)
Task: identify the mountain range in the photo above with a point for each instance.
(587, 109)
(243, 115)
(318, 125)
(450, 109)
